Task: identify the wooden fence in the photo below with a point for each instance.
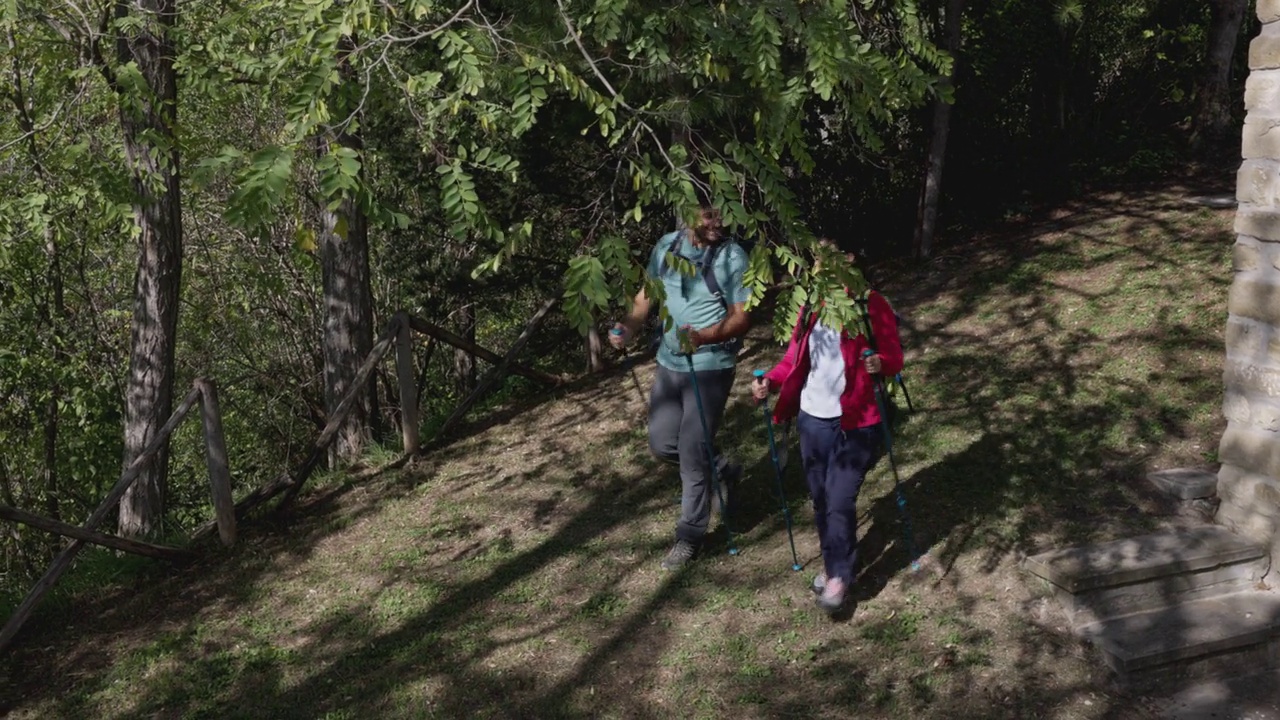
(226, 512)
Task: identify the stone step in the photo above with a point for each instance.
(1230, 634)
(1121, 577)
(1185, 483)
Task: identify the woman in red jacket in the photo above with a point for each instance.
(826, 381)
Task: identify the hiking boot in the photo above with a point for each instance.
(831, 600)
(681, 554)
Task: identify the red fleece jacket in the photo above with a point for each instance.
(858, 401)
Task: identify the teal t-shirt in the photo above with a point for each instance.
(689, 302)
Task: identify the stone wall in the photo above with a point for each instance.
(1249, 481)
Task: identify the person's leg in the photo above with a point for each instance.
(666, 413)
(852, 454)
(695, 477)
(817, 436)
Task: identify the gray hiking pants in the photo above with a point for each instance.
(675, 436)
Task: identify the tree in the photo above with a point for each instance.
(737, 80)
(61, 200)
(144, 79)
(344, 258)
(932, 188)
(1214, 100)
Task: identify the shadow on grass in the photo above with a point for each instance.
(1048, 374)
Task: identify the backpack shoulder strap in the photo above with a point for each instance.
(805, 324)
(864, 300)
(708, 270)
(670, 247)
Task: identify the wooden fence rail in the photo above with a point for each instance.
(227, 511)
(219, 480)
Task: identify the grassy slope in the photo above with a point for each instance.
(515, 573)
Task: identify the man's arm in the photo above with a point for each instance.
(736, 323)
(639, 313)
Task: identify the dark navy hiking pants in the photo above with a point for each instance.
(675, 436)
(835, 463)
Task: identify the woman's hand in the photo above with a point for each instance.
(873, 364)
(760, 388)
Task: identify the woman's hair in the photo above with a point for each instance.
(854, 259)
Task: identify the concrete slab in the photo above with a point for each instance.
(1187, 631)
(1185, 483)
(1142, 558)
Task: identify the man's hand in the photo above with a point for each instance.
(760, 388)
(698, 338)
(873, 364)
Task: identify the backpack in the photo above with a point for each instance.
(705, 268)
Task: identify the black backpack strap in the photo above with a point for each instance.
(805, 324)
(706, 266)
(864, 300)
(671, 247)
(708, 270)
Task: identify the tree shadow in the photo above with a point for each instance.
(534, 538)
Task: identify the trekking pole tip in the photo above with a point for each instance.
(733, 551)
(796, 567)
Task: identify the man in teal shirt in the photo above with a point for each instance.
(711, 324)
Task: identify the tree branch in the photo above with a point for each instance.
(577, 40)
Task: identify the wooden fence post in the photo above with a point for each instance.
(408, 385)
(215, 453)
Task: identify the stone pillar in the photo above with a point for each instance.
(1249, 481)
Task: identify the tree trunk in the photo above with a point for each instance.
(348, 294)
(348, 323)
(1212, 124)
(158, 212)
(927, 222)
(54, 309)
(57, 325)
(464, 361)
(595, 361)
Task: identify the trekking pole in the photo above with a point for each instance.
(905, 395)
(711, 456)
(617, 332)
(897, 482)
(777, 466)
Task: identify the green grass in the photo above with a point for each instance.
(514, 574)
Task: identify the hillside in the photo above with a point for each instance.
(515, 573)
